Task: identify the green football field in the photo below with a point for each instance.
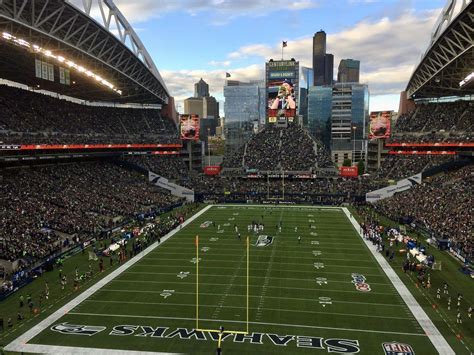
(323, 294)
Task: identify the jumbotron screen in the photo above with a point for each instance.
(189, 127)
(380, 124)
(282, 89)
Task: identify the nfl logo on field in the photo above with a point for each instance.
(397, 349)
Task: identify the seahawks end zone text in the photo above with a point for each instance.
(332, 345)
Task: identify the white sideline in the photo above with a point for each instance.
(21, 345)
(436, 338)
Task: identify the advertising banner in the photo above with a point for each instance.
(379, 127)
(212, 170)
(421, 152)
(88, 146)
(349, 171)
(189, 127)
(389, 191)
(174, 189)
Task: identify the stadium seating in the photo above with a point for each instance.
(33, 118)
(170, 167)
(436, 122)
(442, 205)
(396, 167)
(46, 206)
(276, 149)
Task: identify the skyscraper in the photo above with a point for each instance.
(350, 111)
(202, 104)
(201, 89)
(319, 112)
(348, 71)
(244, 107)
(323, 63)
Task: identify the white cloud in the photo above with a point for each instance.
(224, 63)
(388, 48)
(181, 82)
(222, 11)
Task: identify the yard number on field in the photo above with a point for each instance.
(166, 293)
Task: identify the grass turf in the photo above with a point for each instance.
(158, 293)
(459, 336)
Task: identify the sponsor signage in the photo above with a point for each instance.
(389, 191)
(205, 224)
(331, 345)
(359, 281)
(282, 75)
(212, 170)
(348, 171)
(86, 146)
(10, 146)
(174, 189)
(397, 349)
(467, 144)
(421, 152)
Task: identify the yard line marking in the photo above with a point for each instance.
(310, 270)
(258, 277)
(217, 310)
(20, 343)
(236, 295)
(240, 307)
(243, 322)
(278, 287)
(436, 338)
(319, 257)
(267, 275)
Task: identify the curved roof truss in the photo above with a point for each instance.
(450, 54)
(124, 57)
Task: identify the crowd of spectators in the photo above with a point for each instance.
(437, 137)
(276, 149)
(302, 189)
(234, 160)
(169, 166)
(44, 206)
(443, 205)
(431, 121)
(396, 167)
(33, 118)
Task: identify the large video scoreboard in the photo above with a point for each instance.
(282, 78)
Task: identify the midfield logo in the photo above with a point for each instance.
(264, 241)
(397, 349)
(75, 329)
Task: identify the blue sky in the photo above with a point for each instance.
(190, 39)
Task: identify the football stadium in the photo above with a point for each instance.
(282, 216)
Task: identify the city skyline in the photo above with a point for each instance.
(193, 39)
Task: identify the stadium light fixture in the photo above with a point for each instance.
(46, 52)
(466, 80)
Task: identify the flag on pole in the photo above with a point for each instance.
(284, 44)
(227, 75)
